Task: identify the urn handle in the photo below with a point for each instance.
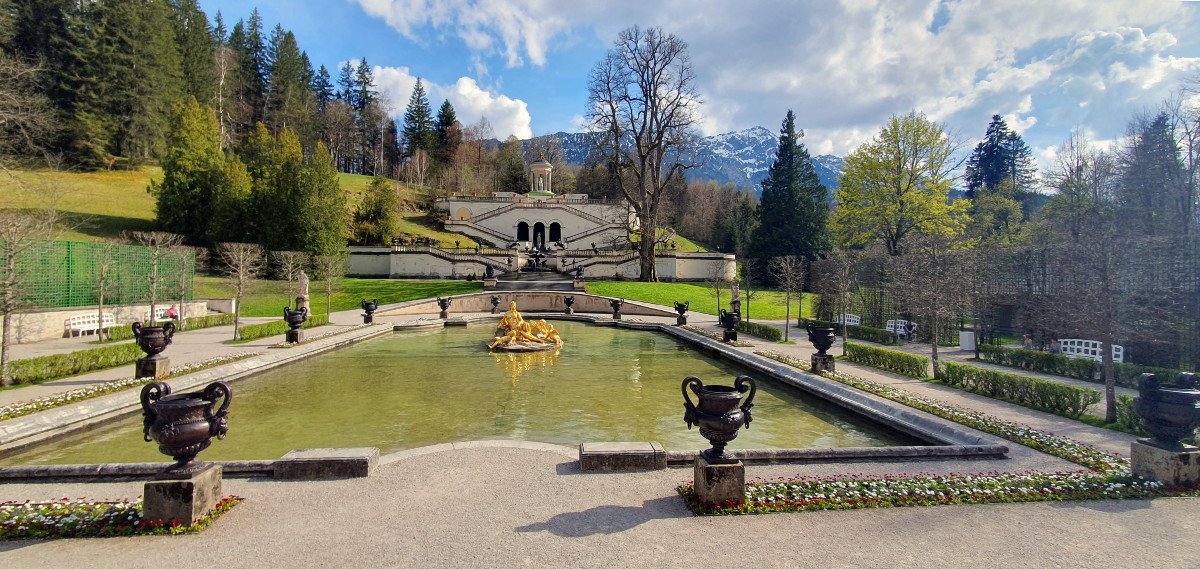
(151, 394)
(740, 384)
(137, 330)
(218, 425)
(689, 408)
(168, 332)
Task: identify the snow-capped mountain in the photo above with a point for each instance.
(741, 157)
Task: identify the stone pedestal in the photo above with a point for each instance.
(611, 457)
(966, 341)
(158, 368)
(1174, 467)
(579, 286)
(616, 316)
(444, 314)
(489, 284)
(569, 310)
(186, 499)
(717, 483)
(681, 320)
(821, 363)
(368, 318)
(730, 336)
(294, 336)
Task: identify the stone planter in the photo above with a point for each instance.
(569, 301)
(822, 337)
(369, 309)
(718, 413)
(295, 319)
(616, 304)
(729, 321)
(444, 304)
(153, 340)
(682, 309)
(1169, 412)
(184, 424)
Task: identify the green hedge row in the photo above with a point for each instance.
(902, 363)
(278, 327)
(45, 368)
(761, 330)
(1085, 369)
(877, 335)
(193, 323)
(1026, 391)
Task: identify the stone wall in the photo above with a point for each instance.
(526, 302)
(386, 262)
(35, 326)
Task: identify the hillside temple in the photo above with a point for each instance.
(535, 231)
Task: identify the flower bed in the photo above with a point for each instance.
(87, 518)
(76, 395)
(902, 363)
(1106, 475)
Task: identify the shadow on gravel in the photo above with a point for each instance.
(610, 519)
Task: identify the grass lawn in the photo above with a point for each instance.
(95, 205)
(267, 298)
(766, 305)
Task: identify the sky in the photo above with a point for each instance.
(844, 67)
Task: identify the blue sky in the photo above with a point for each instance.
(1048, 66)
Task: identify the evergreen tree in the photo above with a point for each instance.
(419, 129)
(791, 216)
(1001, 155)
(324, 214)
(364, 82)
(376, 219)
(290, 103)
(347, 85)
(194, 170)
(1153, 179)
(514, 177)
(252, 60)
(449, 134)
(322, 88)
(392, 153)
(196, 49)
(220, 35)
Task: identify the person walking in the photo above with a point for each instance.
(1027, 342)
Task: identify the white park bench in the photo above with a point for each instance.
(1089, 349)
(897, 327)
(849, 319)
(160, 313)
(77, 325)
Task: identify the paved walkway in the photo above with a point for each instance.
(497, 506)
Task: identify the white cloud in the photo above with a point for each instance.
(508, 116)
(1046, 65)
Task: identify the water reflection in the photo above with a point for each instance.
(516, 364)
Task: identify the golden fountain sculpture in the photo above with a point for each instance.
(516, 334)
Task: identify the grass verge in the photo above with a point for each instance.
(765, 305)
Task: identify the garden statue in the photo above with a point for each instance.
(569, 301)
(682, 309)
(295, 319)
(578, 273)
(184, 424)
(369, 308)
(495, 304)
(616, 304)
(302, 300)
(516, 334)
(444, 304)
(1170, 413)
(153, 340)
(718, 413)
(822, 338)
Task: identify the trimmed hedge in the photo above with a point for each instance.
(278, 327)
(1085, 369)
(193, 323)
(1026, 391)
(761, 330)
(902, 363)
(31, 371)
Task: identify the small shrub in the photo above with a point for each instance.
(45, 368)
(278, 327)
(761, 330)
(877, 335)
(1085, 369)
(194, 323)
(900, 362)
(1127, 419)
(1026, 391)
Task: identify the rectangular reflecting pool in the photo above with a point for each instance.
(413, 389)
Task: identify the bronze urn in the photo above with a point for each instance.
(822, 337)
(153, 339)
(184, 424)
(444, 304)
(718, 413)
(1169, 413)
(495, 303)
(569, 301)
(295, 318)
(616, 304)
(682, 309)
(369, 308)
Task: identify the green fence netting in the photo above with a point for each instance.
(57, 274)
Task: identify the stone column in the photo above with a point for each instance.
(186, 499)
(719, 483)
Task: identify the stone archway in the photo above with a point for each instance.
(539, 234)
(462, 214)
(522, 231)
(555, 232)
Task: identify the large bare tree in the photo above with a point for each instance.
(329, 268)
(642, 104)
(159, 244)
(789, 273)
(288, 265)
(926, 280)
(836, 279)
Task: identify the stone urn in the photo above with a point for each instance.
(616, 304)
(729, 321)
(369, 308)
(578, 273)
(184, 424)
(822, 337)
(153, 339)
(1169, 412)
(569, 301)
(682, 309)
(444, 304)
(495, 304)
(720, 413)
(295, 319)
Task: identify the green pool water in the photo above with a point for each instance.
(413, 389)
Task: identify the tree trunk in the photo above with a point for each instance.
(787, 318)
(646, 251)
(153, 289)
(933, 360)
(1110, 381)
(237, 316)
(9, 303)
